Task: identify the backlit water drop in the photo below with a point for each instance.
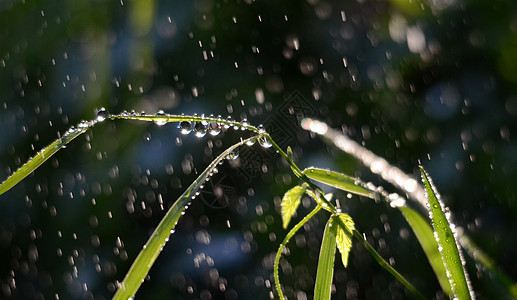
(200, 129)
(264, 142)
(214, 128)
(160, 122)
(233, 155)
(102, 114)
(185, 127)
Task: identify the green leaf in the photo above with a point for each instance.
(424, 234)
(344, 235)
(326, 262)
(337, 180)
(45, 153)
(148, 255)
(290, 203)
(451, 256)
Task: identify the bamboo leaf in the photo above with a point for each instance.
(424, 234)
(337, 180)
(45, 153)
(290, 203)
(344, 235)
(325, 271)
(148, 255)
(447, 244)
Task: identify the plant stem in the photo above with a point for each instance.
(383, 263)
(289, 235)
(300, 174)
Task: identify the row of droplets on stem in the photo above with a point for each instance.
(212, 125)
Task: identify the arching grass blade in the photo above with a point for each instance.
(449, 248)
(147, 256)
(44, 154)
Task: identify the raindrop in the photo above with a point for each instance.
(160, 122)
(264, 142)
(233, 155)
(185, 127)
(251, 142)
(261, 129)
(229, 119)
(214, 128)
(102, 114)
(200, 129)
(245, 124)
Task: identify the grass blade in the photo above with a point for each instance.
(424, 234)
(325, 271)
(447, 244)
(290, 203)
(147, 256)
(44, 154)
(337, 180)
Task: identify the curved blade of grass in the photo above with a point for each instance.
(44, 154)
(147, 256)
(424, 234)
(290, 203)
(507, 288)
(447, 244)
(337, 180)
(325, 271)
(383, 263)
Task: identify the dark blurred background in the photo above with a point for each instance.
(433, 81)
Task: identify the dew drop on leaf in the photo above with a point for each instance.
(160, 122)
(200, 129)
(102, 114)
(264, 142)
(185, 127)
(233, 155)
(214, 128)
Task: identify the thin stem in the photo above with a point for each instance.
(289, 235)
(300, 174)
(383, 263)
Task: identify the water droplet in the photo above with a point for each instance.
(233, 155)
(251, 142)
(160, 122)
(102, 114)
(185, 127)
(200, 129)
(264, 142)
(261, 129)
(245, 124)
(229, 119)
(214, 128)
(83, 124)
